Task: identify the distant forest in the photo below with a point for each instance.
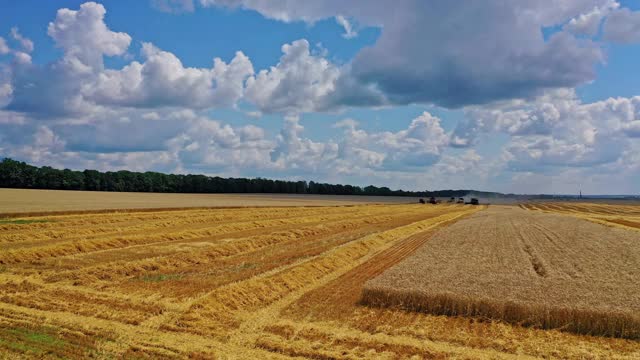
(17, 174)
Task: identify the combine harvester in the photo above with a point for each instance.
(434, 201)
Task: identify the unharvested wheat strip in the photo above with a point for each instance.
(231, 269)
(606, 209)
(325, 216)
(342, 294)
(484, 335)
(199, 252)
(21, 201)
(129, 335)
(66, 235)
(569, 209)
(625, 217)
(62, 227)
(514, 269)
(46, 341)
(204, 255)
(35, 283)
(262, 290)
(277, 226)
(254, 322)
(238, 226)
(305, 337)
(81, 246)
(63, 231)
(91, 221)
(192, 232)
(103, 307)
(628, 222)
(107, 329)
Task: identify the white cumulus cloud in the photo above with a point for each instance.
(300, 82)
(25, 43)
(84, 36)
(162, 80)
(4, 48)
(484, 51)
(589, 22)
(623, 26)
(556, 129)
(173, 6)
(349, 31)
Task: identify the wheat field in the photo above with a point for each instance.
(620, 214)
(532, 269)
(17, 202)
(261, 283)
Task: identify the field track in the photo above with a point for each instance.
(523, 267)
(242, 283)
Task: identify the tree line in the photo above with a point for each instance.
(17, 174)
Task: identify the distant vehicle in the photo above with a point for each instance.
(432, 200)
(421, 201)
(474, 201)
(452, 200)
(460, 200)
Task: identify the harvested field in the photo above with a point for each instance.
(620, 214)
(533, 269)
(14, 201)
(263, 283)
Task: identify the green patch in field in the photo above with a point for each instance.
(19, 347)
(30, 341)
(22, 221)
(51, 342)
(159, 277)
(245, 266)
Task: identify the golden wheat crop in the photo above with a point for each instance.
(620, 214)
(262, 283)
(16, 201)
(533, 269)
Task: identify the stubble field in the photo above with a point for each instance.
(241, 283)
(619, 214)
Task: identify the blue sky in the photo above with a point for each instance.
(427, 95)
